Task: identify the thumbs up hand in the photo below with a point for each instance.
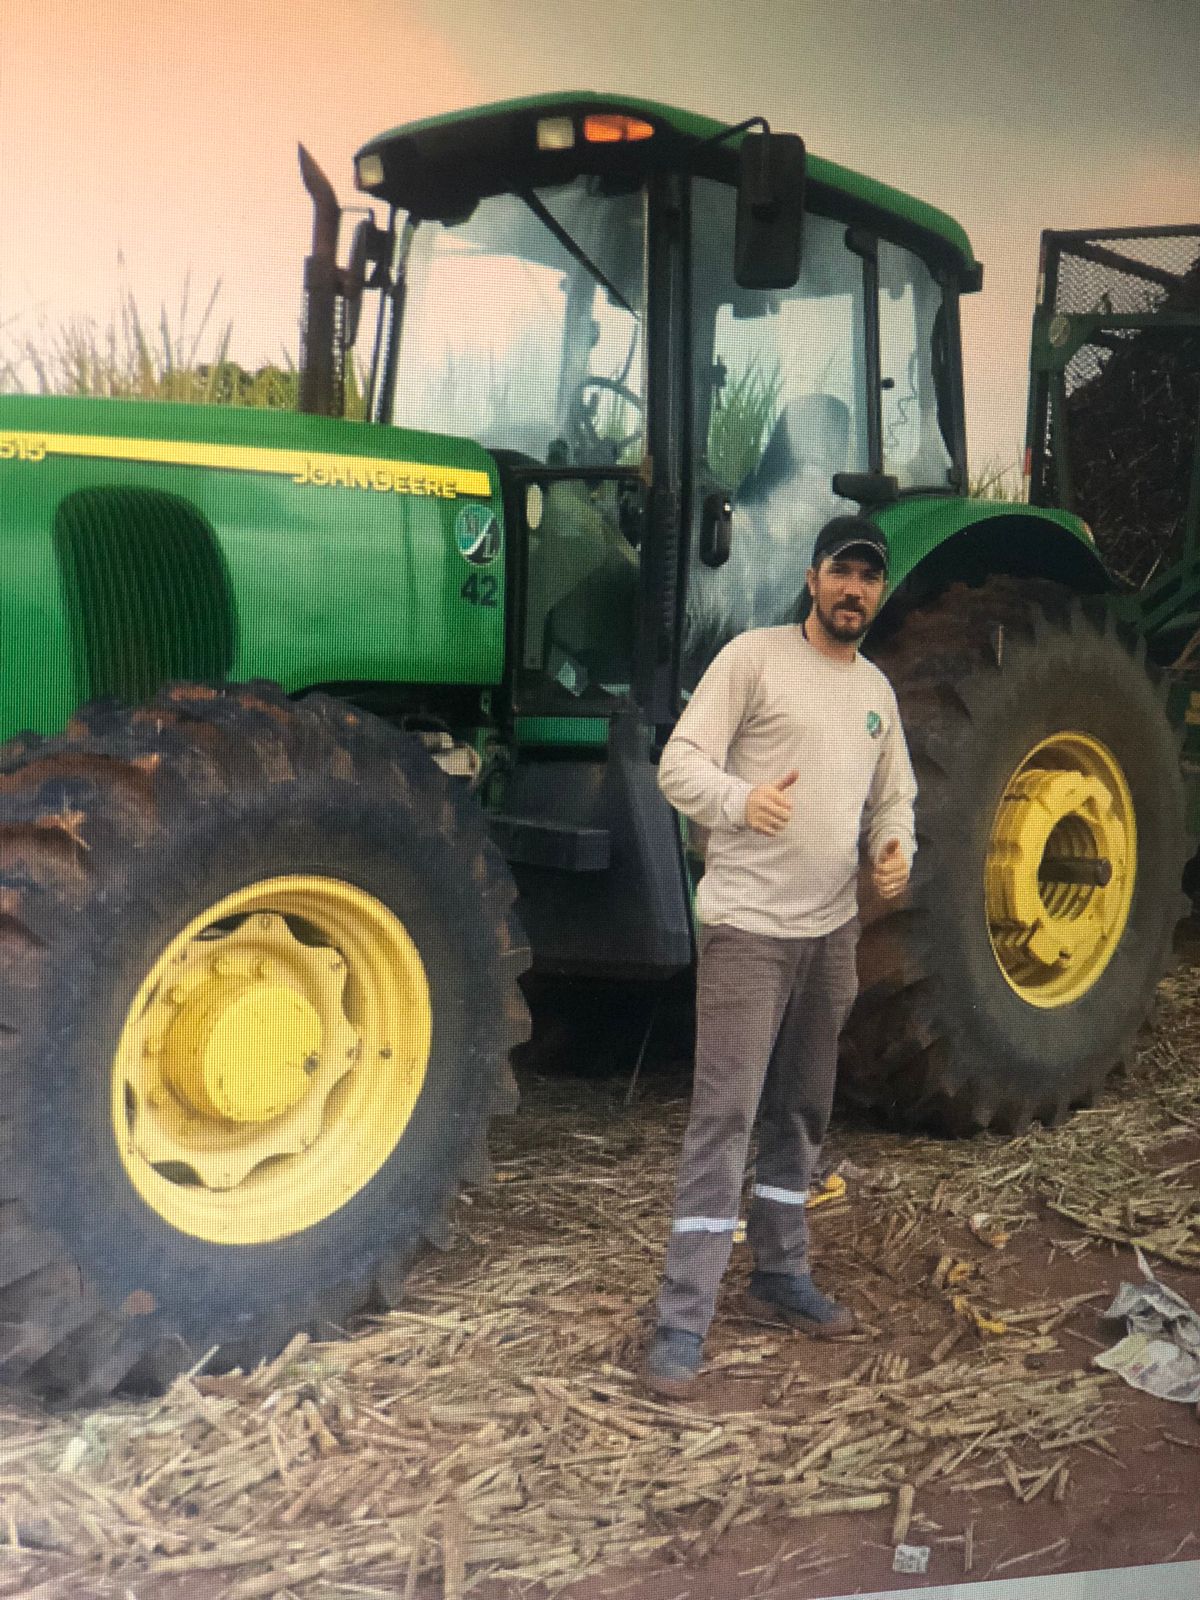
(891, 871)
(769, 805)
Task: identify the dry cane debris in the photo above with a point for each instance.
(494, 1428)
(1131, 422)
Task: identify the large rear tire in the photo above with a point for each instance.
(258, 989)
(998, 993)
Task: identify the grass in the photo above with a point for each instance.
(997, 480)
(740, 425)
(181, 355)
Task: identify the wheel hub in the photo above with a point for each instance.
(242, 1049)
(1060, 869)
(272, 1059)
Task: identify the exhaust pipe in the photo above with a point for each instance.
(322, 359)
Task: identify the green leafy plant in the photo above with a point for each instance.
(182, 356)
(996, 480)
(745, 411)
(618, 419)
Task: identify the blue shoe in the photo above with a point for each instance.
(673, 1362)
(796, 1298)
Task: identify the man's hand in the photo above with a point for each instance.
(890, 873)
(769, 805)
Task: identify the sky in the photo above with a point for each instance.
(153, 142)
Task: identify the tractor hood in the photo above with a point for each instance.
(338, 552)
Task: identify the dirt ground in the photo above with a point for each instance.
(492, 1437)
(1131, 1501)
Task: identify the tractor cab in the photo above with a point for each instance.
(686, 345)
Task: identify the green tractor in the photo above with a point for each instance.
(313, 699)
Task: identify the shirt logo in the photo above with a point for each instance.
(874, 724)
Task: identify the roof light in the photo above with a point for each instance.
(555, 133)
(370, 171)
(611, 127)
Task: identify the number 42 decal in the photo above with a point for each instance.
(479, 589)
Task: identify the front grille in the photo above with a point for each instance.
(146, 590)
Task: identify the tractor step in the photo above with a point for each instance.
(531, 842)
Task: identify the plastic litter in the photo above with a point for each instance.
(911, 1558)
(1160, 1353)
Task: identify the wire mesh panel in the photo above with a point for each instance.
(1123, 416)
(1125, 274)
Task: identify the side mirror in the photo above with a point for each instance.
(868, 488)
(369, 246)
(770, 211)
(716, 529)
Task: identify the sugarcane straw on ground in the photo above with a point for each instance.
(494, 1426)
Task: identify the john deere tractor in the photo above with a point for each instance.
(313, 699)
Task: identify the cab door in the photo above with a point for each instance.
(779, 405)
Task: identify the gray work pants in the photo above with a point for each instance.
(768, 1015)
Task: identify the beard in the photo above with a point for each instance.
(845, 624)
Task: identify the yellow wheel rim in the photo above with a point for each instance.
(1061, 868)
(271, 1060)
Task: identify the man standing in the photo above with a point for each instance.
(792, 754)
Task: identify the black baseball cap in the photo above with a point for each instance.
(843, 534)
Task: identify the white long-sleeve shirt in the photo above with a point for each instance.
(771, 702)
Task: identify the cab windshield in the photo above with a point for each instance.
(524, 326)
